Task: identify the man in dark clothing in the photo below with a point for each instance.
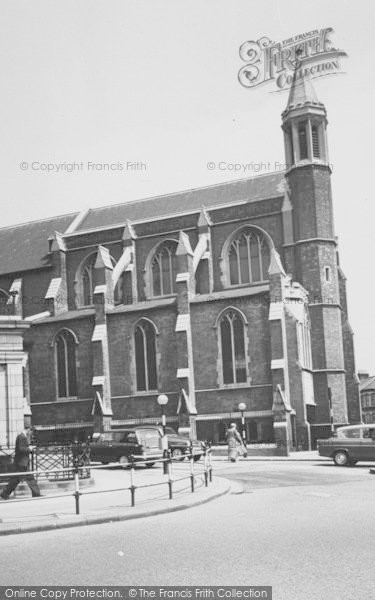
(21, 463)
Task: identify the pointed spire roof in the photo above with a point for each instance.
(301, 92)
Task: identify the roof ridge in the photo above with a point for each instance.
(194, 189)
(38, 221)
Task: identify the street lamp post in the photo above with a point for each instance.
(242, 408)
(163, 401)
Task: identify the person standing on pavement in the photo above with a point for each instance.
(21, 464)
(235, 444)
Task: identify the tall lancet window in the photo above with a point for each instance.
(145, 356)
(164, 269)
(315, 140)
(65, 355)
(302, 138)
(249, 257)
(233, 354)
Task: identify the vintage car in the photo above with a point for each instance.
(179, 445)
(144, 442)
(119, 445)
(351, 444)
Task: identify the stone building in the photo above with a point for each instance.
(214, 296)
(367, 393)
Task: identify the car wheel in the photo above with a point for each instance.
(177, 453)
(105, 462)
(149, 465)
(197, 457)
(341, 458)
(124, 462)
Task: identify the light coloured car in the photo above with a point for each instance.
(352, 443)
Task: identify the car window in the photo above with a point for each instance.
(349, 433)
(170, 431)
(106, 437)
(148, 437)
(369, 432)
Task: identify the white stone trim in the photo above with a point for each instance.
(181, 373)
(182, 277)
(98, 380)
(183, 322)
(100, 289)
(42, 315)
(99, 333)
(276, 311)
(53, 288)
(277, 363)
(235, 415)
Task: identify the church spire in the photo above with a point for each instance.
(304, 123)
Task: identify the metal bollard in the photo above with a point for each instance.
(170, 480)
(132, 486)
(192, 480)
(77, 492)
(205, 466)
(209, 462)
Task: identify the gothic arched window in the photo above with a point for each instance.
(233, 352)
(66, 367)
(86, 282)
(164, 269)
(249, 258)
(145, 356)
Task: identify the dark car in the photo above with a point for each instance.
(179, 445)
(118, 445)
(351, 444)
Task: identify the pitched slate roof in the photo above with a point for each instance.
(251, 190)
(367, 384)
(25, 247)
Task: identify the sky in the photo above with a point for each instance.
(154, 83)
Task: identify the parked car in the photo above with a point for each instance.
(179, 445)
(351, 444)
(119, 444)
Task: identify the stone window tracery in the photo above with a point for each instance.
(164, 269)
(249, 258)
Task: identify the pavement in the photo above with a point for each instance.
(108, 498)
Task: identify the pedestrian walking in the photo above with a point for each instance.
(235, 443)
(21, 464)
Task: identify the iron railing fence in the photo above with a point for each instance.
(58, 459)
(76, 474)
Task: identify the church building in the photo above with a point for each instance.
(216, 296)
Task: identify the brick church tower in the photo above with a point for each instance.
(312, 257)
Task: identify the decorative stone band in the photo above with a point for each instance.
(98, 380)
(182, 277)
(74, 425)
(234, 415)
(280, 424)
